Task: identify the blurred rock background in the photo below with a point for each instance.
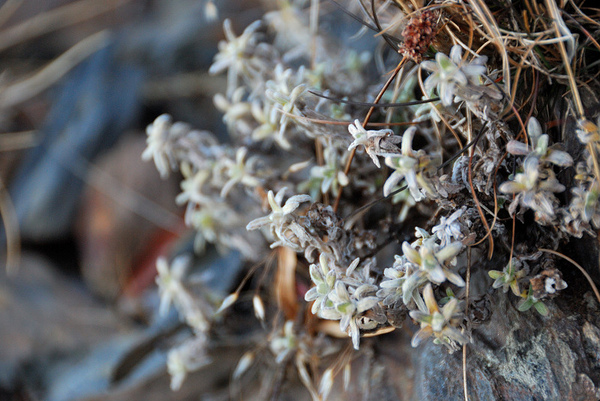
(79, 82)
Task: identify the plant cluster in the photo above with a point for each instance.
(387, 189)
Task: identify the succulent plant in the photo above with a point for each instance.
(299, 125)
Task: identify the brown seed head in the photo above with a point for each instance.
(418, 34)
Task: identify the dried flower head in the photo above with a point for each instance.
(509, 277)
(534, 189)
(236, 55)
(440, 324)
(452, 76)
(539, 147)
(375, 142)
(189, 356)
(418, 34)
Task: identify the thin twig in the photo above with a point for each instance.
(8, 9)
(26, 89)
(554, 13)
(18, 140)
(366, 120)
(476, 200)
(314, 31)
(367, 104)
(11, 228)
(58, 18)
(493, 33)
(337, 122)
(389, 39)
(464, 348)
